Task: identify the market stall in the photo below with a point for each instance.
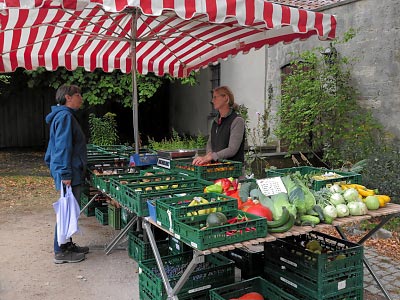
(177, 198)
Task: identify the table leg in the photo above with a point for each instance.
(160, 265)
(361, 241)
(90, 202)
(115, 241)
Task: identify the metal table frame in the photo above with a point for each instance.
(198, 257)
(365, 238)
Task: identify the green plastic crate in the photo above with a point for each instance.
(191, 230)
(256, 284)
(223, 169)
(176, 246)
(101, 214)
(215, 271)
(136, 200)
(126, 216)
(100, 176)
(171, 209)
(117, 184)
(140, 250)
(114, 217)
(316, 185)
(89, 211)
(317, 276)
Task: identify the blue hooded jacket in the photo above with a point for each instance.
(66, 154)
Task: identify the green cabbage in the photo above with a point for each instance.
(299, 194)
(279, 201)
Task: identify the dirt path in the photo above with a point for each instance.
(27, 223)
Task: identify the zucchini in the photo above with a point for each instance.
(284, 227)
(320, 212)
(281, 221)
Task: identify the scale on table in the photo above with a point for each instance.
(165, 157)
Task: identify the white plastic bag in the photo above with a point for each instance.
(67, 210)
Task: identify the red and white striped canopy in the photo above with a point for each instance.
(165, 36)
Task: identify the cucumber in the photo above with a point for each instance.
(320, 212)
(309, 218)
(284, 227)
(281, 221)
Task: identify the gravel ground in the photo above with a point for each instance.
(26, 236)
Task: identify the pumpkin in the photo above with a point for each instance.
(256, 208)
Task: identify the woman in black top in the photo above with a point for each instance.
(227, 135)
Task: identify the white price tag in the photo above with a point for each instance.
(271, 186)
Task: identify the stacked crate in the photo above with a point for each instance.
(215, 271)
(335, 273)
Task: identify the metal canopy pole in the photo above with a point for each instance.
(135, 106)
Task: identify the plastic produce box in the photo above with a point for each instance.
(223, 169)
(135, 197)
(338, 270)
(139, 250)
(215, 271)
(101, 214)
(256, 284)
(114, 217)
(192, 231)
(170, 209)
(100, 176)
(143, 159)
(250, 260)
(90, 210)
(317, 184)
(141, 181)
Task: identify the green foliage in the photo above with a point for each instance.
(103, 130)
(178, 142)
(99, 87)
(256, 138)
(382, 172)
(319, 109)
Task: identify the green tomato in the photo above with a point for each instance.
(372, 202)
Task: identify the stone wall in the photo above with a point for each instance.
(376, 48)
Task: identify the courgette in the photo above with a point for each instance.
(320, 212)
(281, 221)
(284, 227)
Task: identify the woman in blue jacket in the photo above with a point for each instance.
(66, 158)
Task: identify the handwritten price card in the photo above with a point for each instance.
(271, 186)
